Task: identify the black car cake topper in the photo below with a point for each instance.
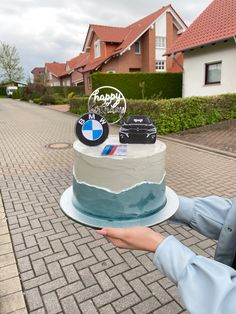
(138, 130)
(92, 129)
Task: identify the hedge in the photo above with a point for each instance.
(3, 91)
(32, 91)
(142, 85)
(175, 115)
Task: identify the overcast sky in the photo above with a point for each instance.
(55, 30)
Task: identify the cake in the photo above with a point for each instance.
(119, 191)
(119, 187)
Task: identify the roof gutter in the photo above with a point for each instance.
(200, 45)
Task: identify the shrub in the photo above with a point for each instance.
(3, 91)
(71, 95)
(177, 114)
(142, 85)
(36, 100)
(48, 99)
(79, 105)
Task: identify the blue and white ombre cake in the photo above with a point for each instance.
(119, 191)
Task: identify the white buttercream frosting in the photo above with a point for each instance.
(143, 163)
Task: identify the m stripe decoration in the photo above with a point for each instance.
(92, 129)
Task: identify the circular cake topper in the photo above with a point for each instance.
(92, 129)
(109, 102)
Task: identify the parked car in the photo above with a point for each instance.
(10, 90)
(138, 130)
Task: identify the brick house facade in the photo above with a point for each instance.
(138, 47)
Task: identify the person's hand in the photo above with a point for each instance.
(134, 238)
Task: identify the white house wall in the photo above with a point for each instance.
(194, 69)
(161, 31)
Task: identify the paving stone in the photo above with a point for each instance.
(52, 285)
(70, 273)
(104, 281)
(171, 308)
(8, 272)
(39, 267)
(6, 248)
(99, 254)
(37, 281)
(134, 273)
(117, 269)
(147, 306)
(87, 293)
(101, 266)
(126, 302)
(108, 309)
(87, 277)
(70, 289)
(55, 270)
(34, 299)
(69, 306)
(140, 289)
(5, 238)
(159, 293)
(51, 303)
(150, 277)
(130, 259)
(9, 286)
(12, 302)
(88, 307)
(106, 297)
(122, 285)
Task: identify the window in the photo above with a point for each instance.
(137, 47)
(134, 70)
(160, 65)
(161, 42)
(97, 48)
(213, 73)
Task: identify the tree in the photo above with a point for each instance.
(10, 67)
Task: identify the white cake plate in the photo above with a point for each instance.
(73, 213)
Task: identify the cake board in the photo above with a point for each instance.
(73, 213)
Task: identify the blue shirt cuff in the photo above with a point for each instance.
(172, 258)
(184, 214)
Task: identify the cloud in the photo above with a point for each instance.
(48, 30)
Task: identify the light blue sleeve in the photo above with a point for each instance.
(205, 286)
(206, 215)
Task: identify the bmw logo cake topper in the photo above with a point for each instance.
(92, 129)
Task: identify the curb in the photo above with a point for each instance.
(199, 147)
(11, 294)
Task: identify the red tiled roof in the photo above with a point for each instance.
(126, 36)
(217, 22)
(109, 33)
(37, 71)
(134, 30)
(94, 65)
(57, 69)
(78, 61)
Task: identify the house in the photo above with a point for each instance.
(38, 75)
(137, 47)
(66, 74)
(209, 47)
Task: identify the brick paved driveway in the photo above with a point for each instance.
(65, 267)
(220, 136)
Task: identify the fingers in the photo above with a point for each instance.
(117, 233)
(102, 232)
